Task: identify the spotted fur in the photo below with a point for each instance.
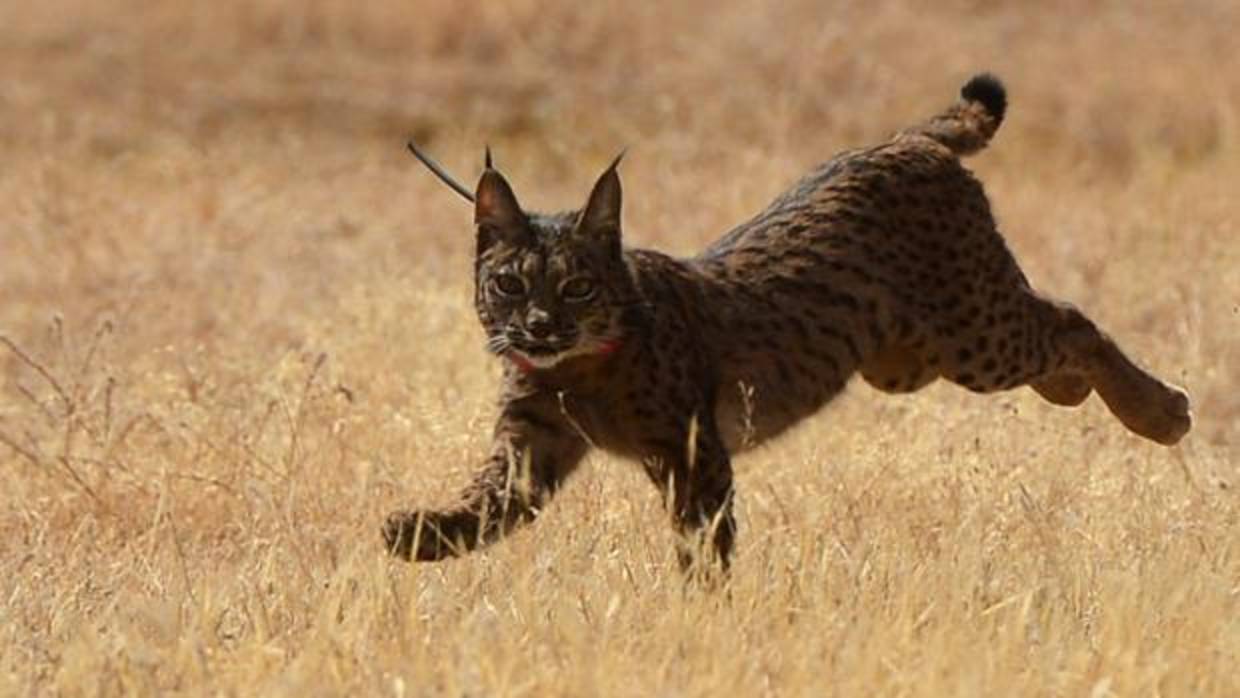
(884, 261)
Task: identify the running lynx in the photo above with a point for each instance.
(883, 261)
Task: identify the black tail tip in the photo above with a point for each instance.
(987, 89)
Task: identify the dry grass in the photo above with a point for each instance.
(237, 331)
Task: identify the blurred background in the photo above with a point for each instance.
(211, 174)
(236, 329)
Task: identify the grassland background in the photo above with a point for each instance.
(236, 330)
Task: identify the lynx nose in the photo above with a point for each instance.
(538, 324)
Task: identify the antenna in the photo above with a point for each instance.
(440, 172)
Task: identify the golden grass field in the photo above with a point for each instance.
(236, 330)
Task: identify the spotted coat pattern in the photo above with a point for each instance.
(884, 261)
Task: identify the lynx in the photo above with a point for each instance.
(885, 261)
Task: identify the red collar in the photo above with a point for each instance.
(607, 349)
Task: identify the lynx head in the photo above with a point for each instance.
(550, 287)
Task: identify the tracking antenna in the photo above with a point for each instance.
(441, 173)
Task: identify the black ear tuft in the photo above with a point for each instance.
(615, 164)
(601, 214)
(496, 210)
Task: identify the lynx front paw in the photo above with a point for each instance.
(415, 535)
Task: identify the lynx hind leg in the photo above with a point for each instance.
(1060, 353)
(897, 369)
(1145, 404)
(1063, 388)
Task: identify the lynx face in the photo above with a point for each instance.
(549, 287)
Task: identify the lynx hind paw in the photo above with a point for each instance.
(1176, 418)
(1162, 415)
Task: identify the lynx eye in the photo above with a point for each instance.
(577, 289)
(509, 284)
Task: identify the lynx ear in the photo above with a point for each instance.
(496, 210)
(601, 216)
